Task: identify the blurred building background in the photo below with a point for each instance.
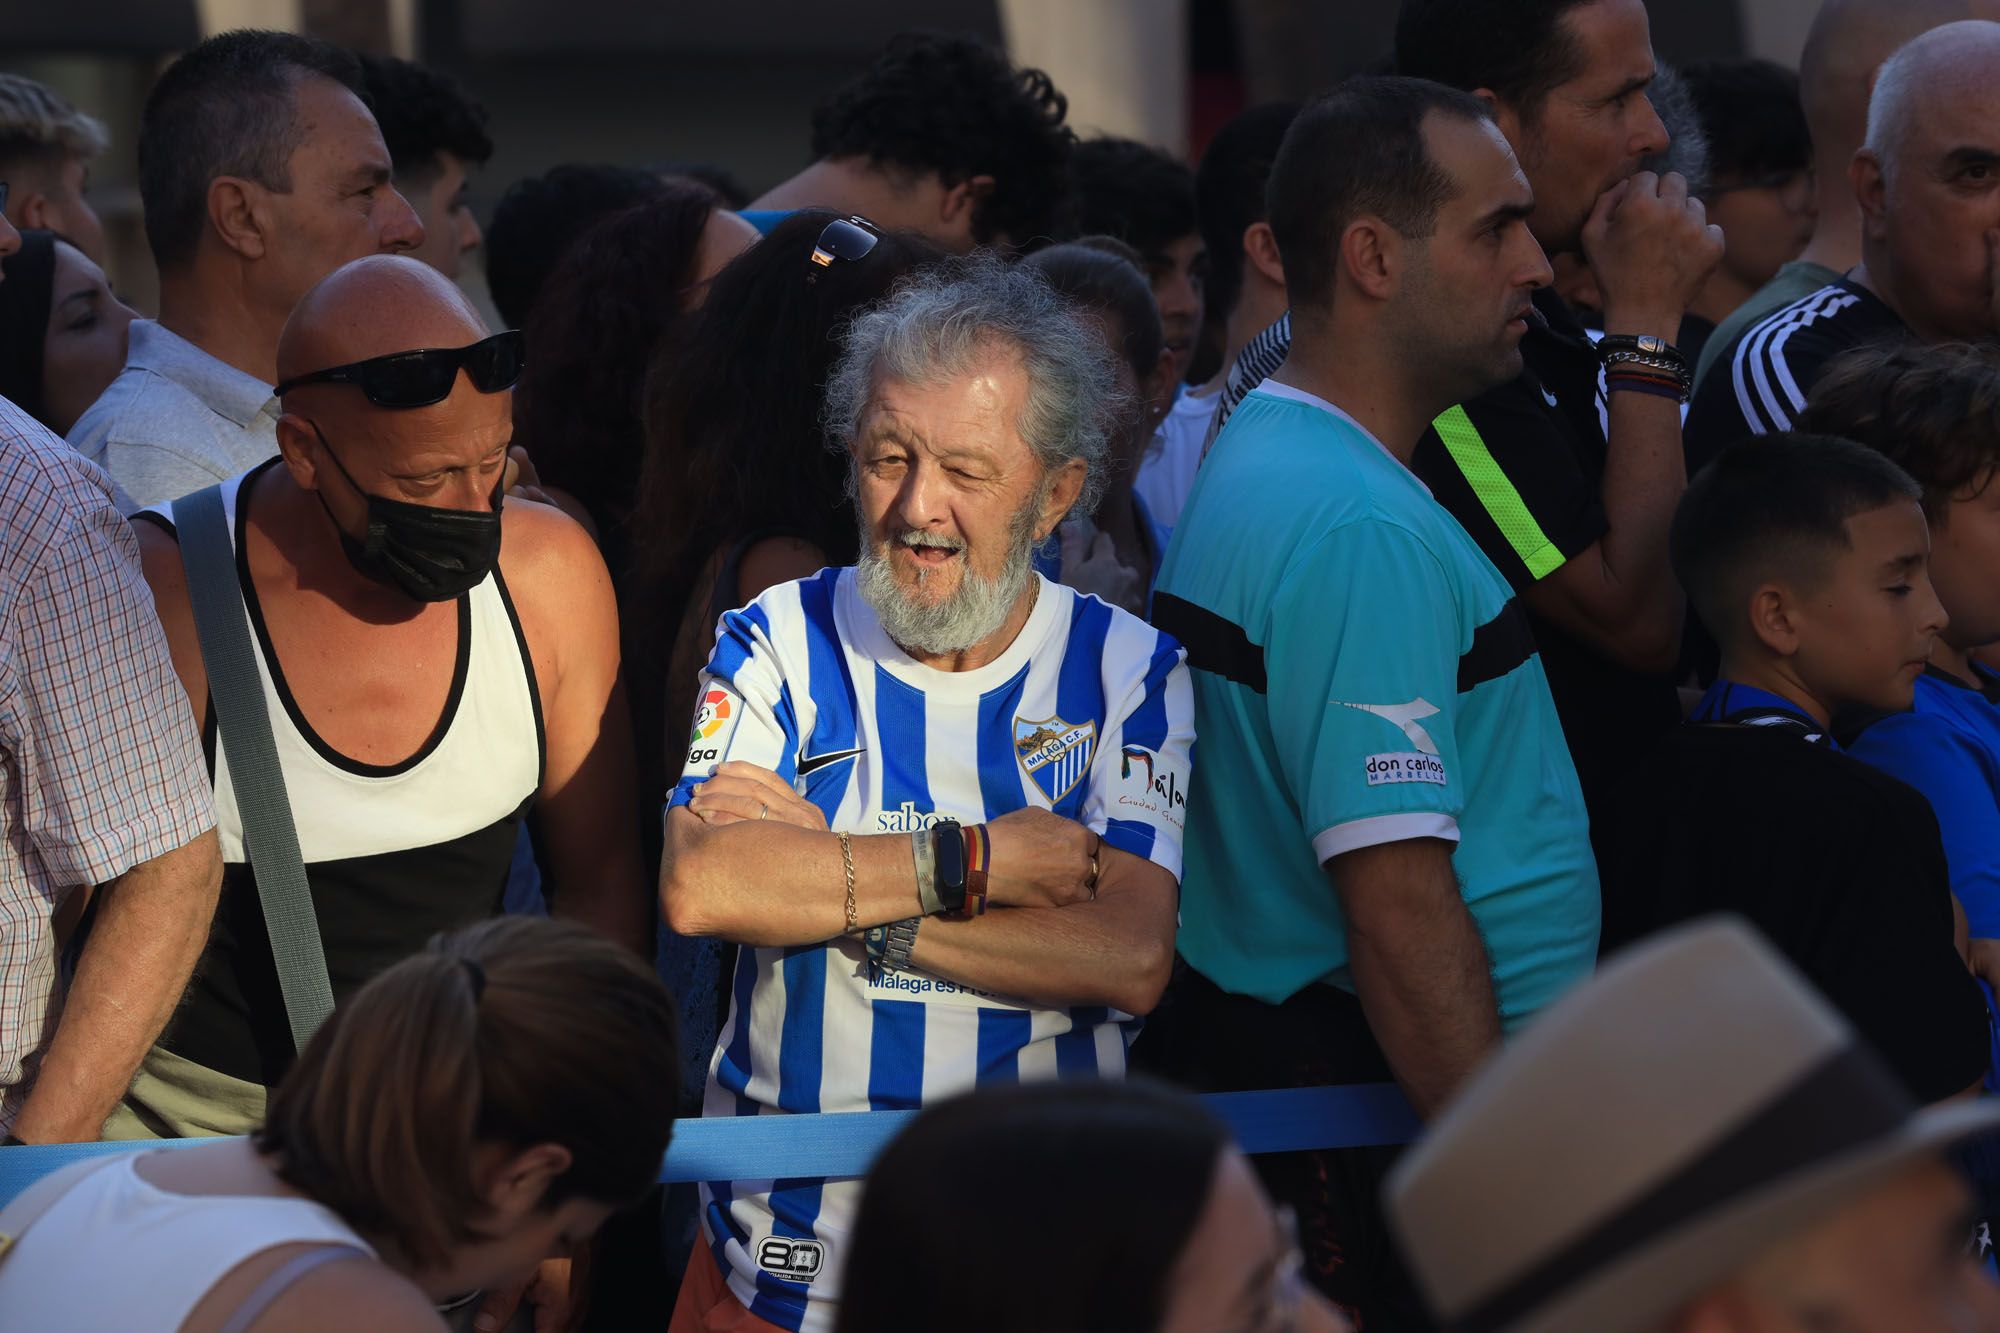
(734, 83)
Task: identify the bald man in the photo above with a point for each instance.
(1845, 48)
(436, 665)
(1927, 179)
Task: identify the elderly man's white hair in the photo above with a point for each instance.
(952, 317)
(1942, 64)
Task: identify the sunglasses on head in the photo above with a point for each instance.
(846, 239)
(418, 379)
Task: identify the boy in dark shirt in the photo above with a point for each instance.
(1935, 412)
(1806, 557)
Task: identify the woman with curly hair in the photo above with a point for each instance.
(625, 290)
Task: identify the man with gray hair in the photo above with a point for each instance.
(262, 171)
(1927, 180)
(46, 148)
(884, 753)
(1844, 50)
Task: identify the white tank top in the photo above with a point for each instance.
(118, 1253)
(481, 763)
(393, 853)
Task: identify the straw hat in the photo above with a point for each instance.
(1650, 1135)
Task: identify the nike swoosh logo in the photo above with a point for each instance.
(813, 763)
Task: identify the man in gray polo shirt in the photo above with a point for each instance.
(261, 170)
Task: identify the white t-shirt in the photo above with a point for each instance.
(1166, 473)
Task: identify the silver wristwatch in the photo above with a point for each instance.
(897, 939)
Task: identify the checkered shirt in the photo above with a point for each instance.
(100, 766)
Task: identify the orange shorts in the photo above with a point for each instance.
(707, 1305)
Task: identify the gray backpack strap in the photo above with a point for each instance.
(243, 719)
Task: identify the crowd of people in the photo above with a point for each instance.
(1018, 627)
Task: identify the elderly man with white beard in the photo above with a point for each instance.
(936, 799)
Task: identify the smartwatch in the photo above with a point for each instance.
(948, 848)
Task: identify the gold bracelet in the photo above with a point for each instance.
(847, 864)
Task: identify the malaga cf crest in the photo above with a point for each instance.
(1055, 753)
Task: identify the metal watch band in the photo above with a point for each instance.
(897, 939)
(1668, 365)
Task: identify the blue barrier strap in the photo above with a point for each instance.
(1367, 1115)
(787, 1147)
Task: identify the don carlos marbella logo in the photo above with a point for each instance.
(1055, 753)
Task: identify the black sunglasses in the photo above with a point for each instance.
(418, 379)
(843, 239)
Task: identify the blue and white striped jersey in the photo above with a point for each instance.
(1090, 713)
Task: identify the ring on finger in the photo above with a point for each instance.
(763, 812)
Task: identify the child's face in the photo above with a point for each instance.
(1965, 566)
(1864, 634)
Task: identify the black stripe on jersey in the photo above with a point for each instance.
(1213, 644)
(1498, 646)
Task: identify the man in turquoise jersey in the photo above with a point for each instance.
(1388, 858)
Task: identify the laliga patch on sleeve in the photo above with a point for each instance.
(714, 722)
(1386, 769)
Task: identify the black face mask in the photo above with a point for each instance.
(427, 554)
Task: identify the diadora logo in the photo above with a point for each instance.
(1055, 753)
(1405, 717)
(718, 714)
(905, 818)
(796, 1260)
